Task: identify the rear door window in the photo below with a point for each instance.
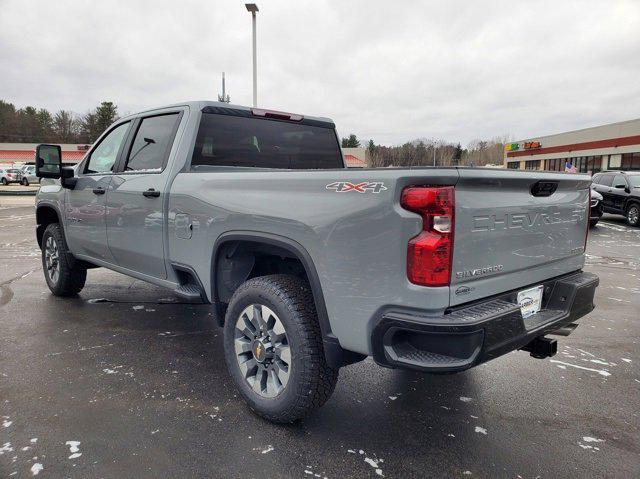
(152, 143)
(227, 140)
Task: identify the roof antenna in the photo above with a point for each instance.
(224, 98)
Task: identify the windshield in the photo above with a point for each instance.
(227, 140)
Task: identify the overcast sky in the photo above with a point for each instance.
(388, 70)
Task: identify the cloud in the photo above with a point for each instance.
(391, 71)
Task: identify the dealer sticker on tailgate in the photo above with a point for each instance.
(530, 301)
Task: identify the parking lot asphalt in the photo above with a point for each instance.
(126, 380)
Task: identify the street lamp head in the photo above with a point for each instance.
(251, 7)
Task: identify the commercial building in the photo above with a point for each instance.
(355, 157)
(608, 147)
(21, 153)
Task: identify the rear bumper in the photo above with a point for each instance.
(471, 334)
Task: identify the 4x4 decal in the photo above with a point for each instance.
(364, 187)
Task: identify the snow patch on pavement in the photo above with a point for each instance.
(601, 372)
(6, 447)
(74, 449)
(592, 439)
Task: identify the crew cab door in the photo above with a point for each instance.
(136, 198)
(85, 204)
(618, 193)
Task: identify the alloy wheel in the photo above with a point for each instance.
(633, 214)
(262, 350)
(52, 259)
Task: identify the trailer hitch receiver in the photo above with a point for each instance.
(542, 347)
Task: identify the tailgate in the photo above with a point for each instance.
(508, 234)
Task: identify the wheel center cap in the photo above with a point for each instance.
(259, 350)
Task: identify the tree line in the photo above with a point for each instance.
(430, 152)
(39, 125)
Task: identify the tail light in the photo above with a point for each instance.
(429, 255)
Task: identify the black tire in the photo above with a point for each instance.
(311, 380)
(592, 223)
(633, 219)
(4, 182)
(25, 182)
(70, 277)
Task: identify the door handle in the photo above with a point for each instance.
(151, 193)
(99, 191)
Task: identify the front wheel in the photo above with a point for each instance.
(592, 223)
(633, 214)
(4, 182)
(63, 274)
(25, 182)
(273, 348)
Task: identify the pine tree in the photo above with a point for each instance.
(351, 142)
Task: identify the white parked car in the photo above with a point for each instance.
(10, 175)
(29, 175)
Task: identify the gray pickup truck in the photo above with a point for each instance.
(310, 266)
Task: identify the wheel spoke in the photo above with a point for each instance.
(277, 328)
(248, 367)
(281, 372)
(261, 315)
(249, 326)
(245, 332)
(242, 345)
(273, 384)
(283, 351)
(258, 380)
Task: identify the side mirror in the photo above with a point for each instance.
(48, 161)
(621, 187)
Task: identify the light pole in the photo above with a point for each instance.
(253, 8)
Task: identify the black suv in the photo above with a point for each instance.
(620, 191)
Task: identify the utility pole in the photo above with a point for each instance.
(253, 8)
(434, 153)
(224, 97)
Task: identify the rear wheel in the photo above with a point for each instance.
(25, 182)
(273, 348)
(633, 214)
(4, 182)
(592, 223)
(63, 274)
